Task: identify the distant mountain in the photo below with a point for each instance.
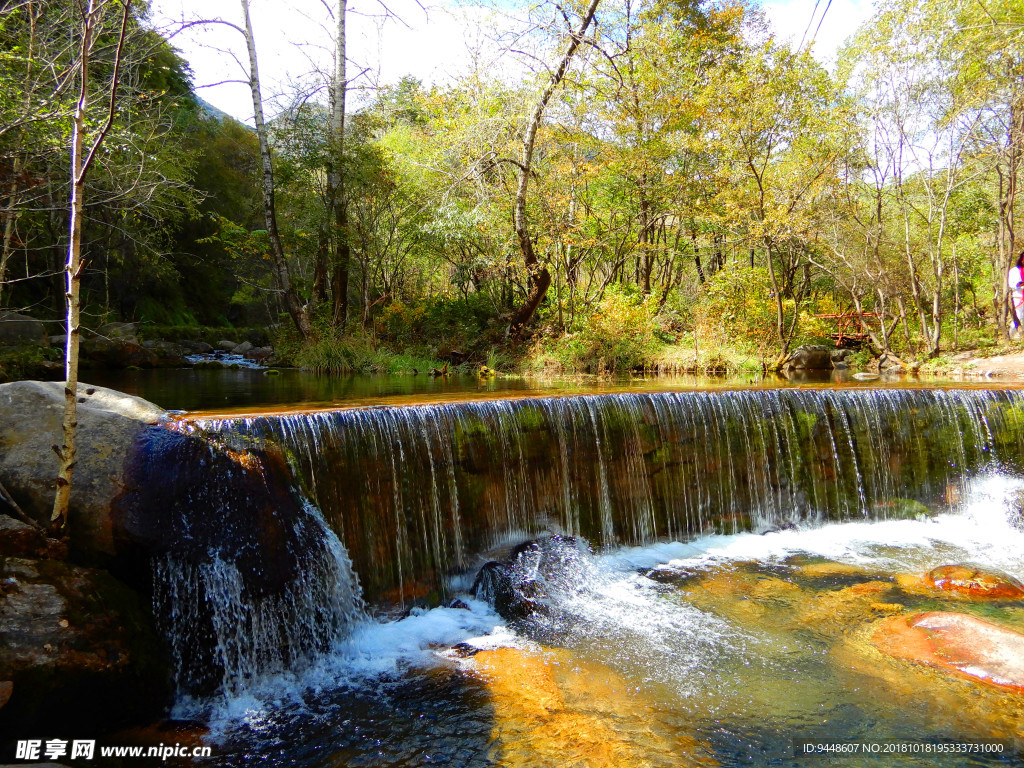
(218, 114)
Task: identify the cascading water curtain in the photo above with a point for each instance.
(417, 492)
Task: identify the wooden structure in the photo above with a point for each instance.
(851, 329)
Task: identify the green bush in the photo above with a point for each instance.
(622, 334)
(29, 361)
(356, 354)
(440, 323)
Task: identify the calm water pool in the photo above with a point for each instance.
(227, 391)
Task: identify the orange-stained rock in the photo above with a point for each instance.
(962, 645)
(834, 612)
(830, 569)
(550, 709)
(967, 580)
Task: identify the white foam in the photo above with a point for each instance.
(622, 612)
(376, 651)
(980, 533)
(387, 647)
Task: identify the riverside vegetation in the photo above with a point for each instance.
(676, 189)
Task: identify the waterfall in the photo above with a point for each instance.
(248, 580)
(416, 493)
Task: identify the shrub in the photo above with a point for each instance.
(621, 334)
(738, 310)
(356, 354)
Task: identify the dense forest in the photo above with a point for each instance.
(667, 185)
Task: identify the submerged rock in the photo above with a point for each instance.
(109, 423)
(967, 580)
(958, 644)
(963, 582)
(551, 709)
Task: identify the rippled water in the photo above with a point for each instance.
(740, 645)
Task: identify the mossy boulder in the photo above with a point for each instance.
(17, 329)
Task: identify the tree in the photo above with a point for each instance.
(298, 313)
(83, 153)
(539, 278)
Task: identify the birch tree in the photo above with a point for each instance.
(279, 262)
(84, 146)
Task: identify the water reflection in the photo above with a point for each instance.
(235, 391)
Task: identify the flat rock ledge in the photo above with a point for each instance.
(961, 645)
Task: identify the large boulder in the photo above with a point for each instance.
(16, 329)
(109, 422)
(260, 353)
(810, 357)
(119, 331)
(75, 642)
(170, 355)
(124, 352)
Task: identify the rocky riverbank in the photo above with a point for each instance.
(27, 351)
(73, 636)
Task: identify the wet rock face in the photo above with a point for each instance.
(74, 640)
(972, 582)
(18, 539)
(109, 422)
(197, 507)
(810, 357)
(536, 570)
(958, 644)
(189, 499)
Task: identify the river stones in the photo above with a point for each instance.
(74, 640)
(963, 582)
(551, 709)
(958, 644)
(966, 580)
